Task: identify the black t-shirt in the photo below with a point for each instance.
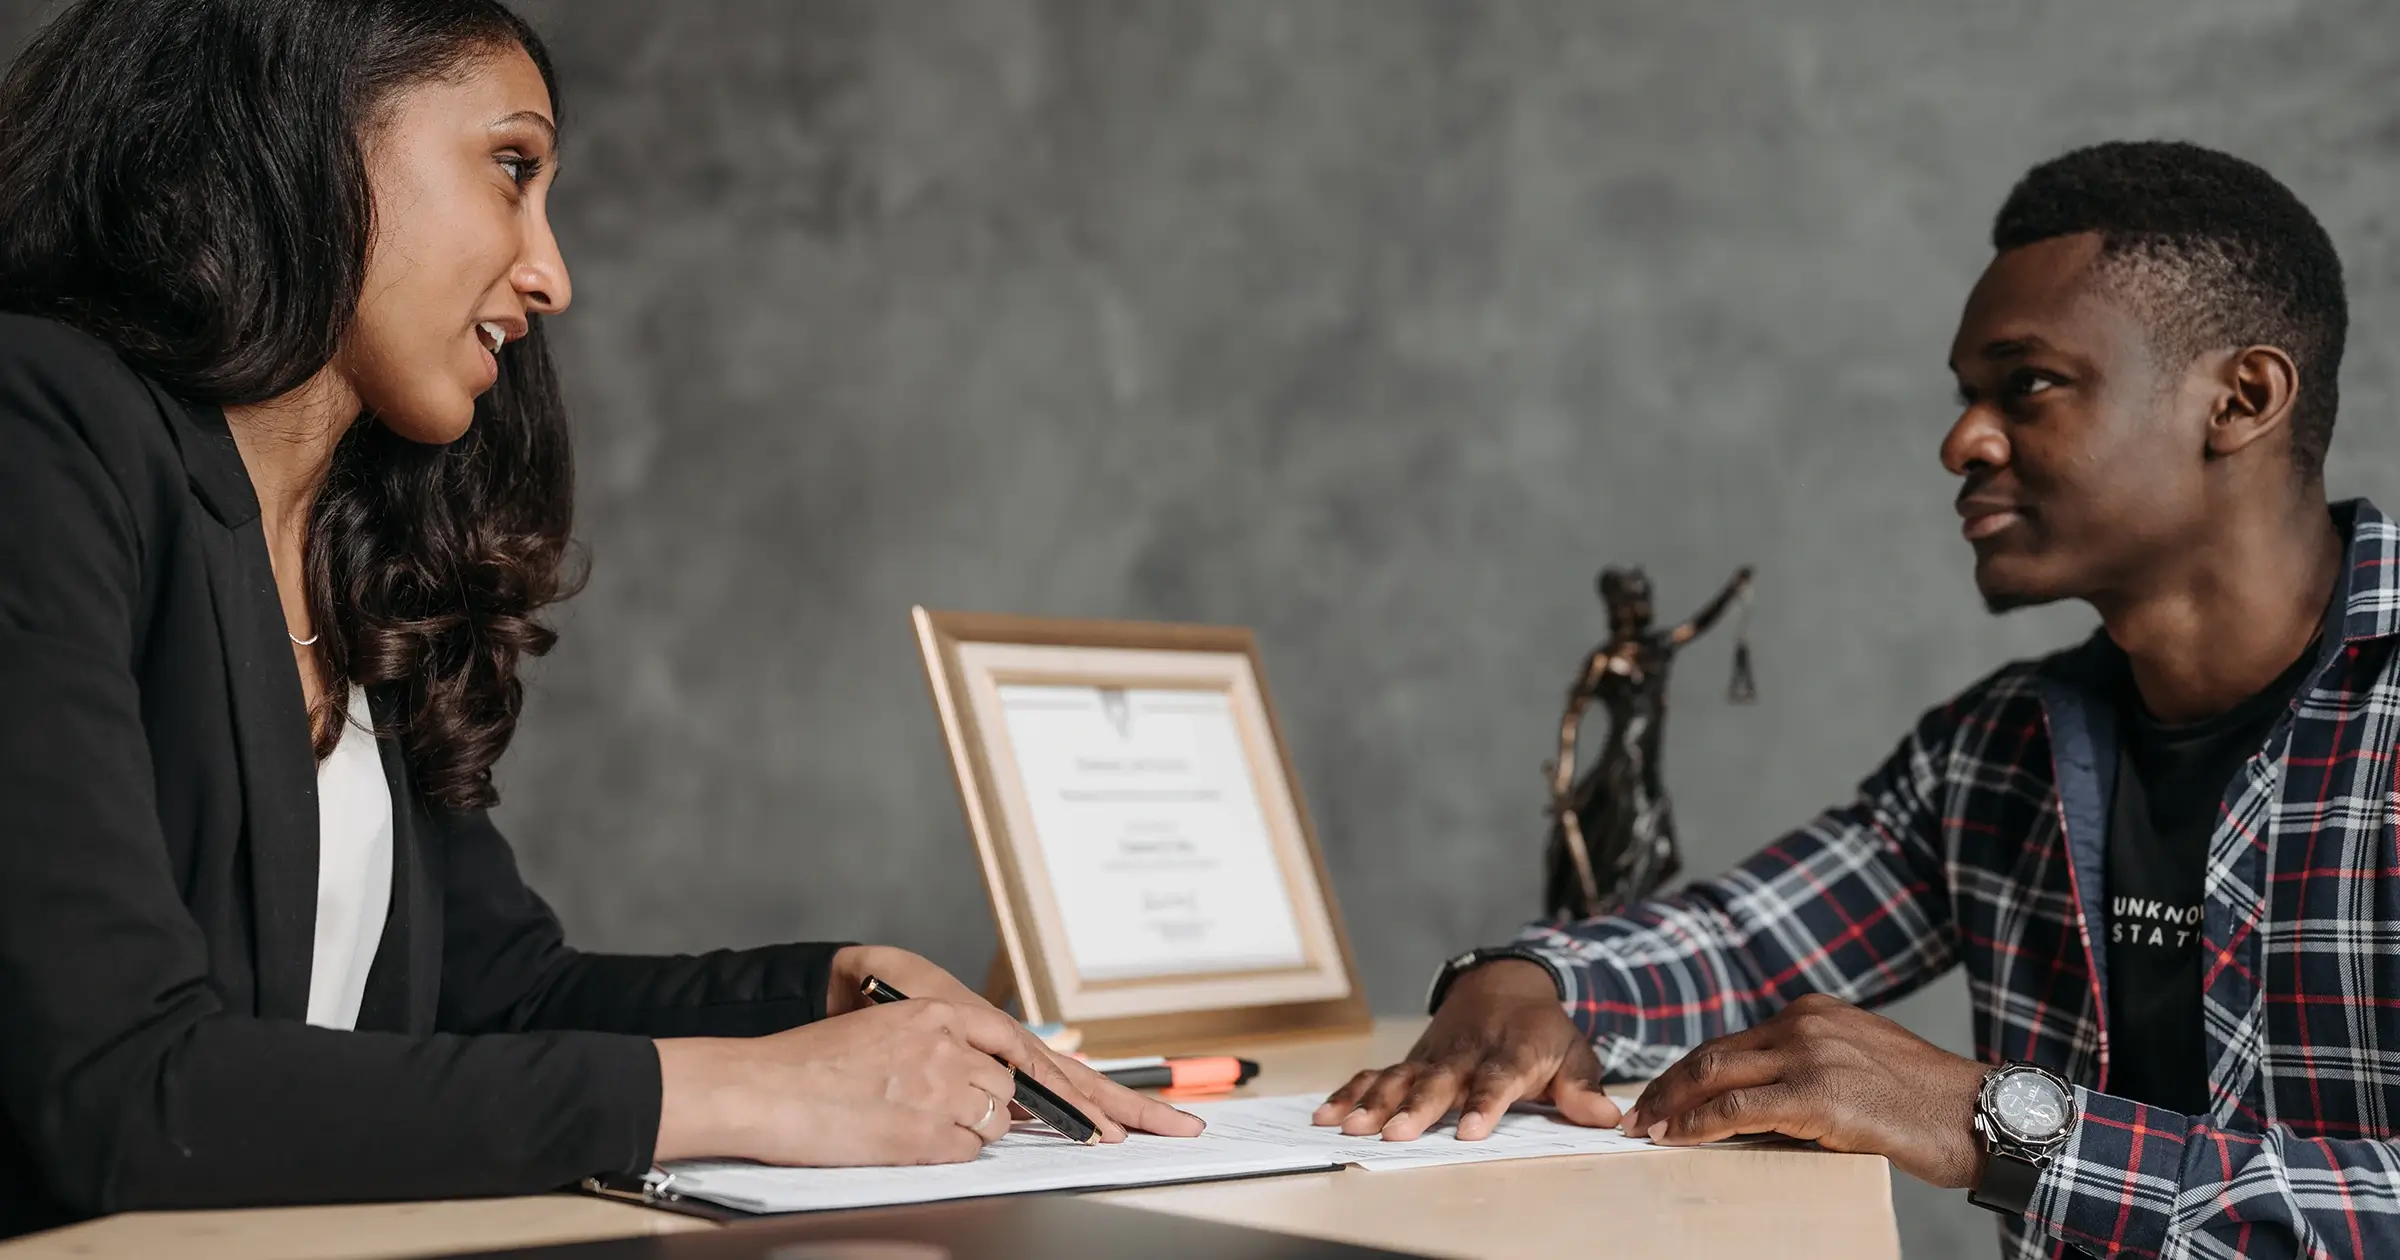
(2171, 786)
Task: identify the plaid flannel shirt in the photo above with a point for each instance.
(1981, 841)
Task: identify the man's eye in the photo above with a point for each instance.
(2026, 384)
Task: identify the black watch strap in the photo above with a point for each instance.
(1473, 958)
(2006, 1185)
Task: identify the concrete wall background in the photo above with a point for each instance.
(1376, 326)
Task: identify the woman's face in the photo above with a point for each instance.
(460, 172)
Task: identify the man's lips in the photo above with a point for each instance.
(1986, 517)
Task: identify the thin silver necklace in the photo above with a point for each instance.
(310, 641)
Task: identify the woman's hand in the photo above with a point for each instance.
(910, 1083)
(1113, 1106)
(918, 1082)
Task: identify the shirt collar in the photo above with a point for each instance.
(2366, 599)
(212, 463)
(2365, 603)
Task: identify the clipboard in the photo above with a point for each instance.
(656, 1189)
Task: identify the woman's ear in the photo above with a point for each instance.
(2261, 383)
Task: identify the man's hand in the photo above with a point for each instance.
(1825, 1071)
(1115, 1107)
(1499, 1037)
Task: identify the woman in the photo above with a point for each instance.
(283, 487)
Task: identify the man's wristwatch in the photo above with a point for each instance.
(1473, 958)
(2023, 1116)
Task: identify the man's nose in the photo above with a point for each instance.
(1976, 441)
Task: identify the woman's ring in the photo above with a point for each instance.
(991, 1107)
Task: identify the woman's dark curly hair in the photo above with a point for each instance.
(185, 180)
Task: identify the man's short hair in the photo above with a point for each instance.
(2214, 252)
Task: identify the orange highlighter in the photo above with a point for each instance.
(1208, 1074)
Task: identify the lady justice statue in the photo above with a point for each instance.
(1612, 835)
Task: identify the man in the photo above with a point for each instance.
(2166, 858)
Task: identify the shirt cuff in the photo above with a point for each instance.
(2111, 1189)
(1577, 971)
(1602, 1000)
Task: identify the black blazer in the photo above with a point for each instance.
(158, 874)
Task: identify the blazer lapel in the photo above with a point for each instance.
(270, 717)
(403, 985)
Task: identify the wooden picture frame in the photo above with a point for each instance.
(1027, 706)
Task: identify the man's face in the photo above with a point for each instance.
(2081, 454)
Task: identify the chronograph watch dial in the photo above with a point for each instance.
(2024, 1115)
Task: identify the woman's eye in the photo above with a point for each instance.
(521, 170)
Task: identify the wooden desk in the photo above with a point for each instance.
(1790, 1204)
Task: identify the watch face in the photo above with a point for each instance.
(2030, 1106)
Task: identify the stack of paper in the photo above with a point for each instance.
(1246, 1137)
(1023, 1162)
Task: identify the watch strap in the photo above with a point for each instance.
(1473, 958)
(2006, 1185)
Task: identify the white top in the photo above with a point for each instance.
(354, 870)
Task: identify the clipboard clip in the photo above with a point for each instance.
(650, 1190)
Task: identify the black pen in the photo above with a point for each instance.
(1032, 1095)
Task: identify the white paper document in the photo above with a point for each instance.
(1246, 1137)
(1027, 1160)
(1521, 1134)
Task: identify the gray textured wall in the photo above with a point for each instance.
(1376, 326)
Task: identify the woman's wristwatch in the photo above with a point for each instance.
(2023, 1115)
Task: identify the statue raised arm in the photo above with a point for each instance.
(1703, 620)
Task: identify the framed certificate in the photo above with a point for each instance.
(1151, 867)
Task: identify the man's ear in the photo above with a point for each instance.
(2257, 388)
